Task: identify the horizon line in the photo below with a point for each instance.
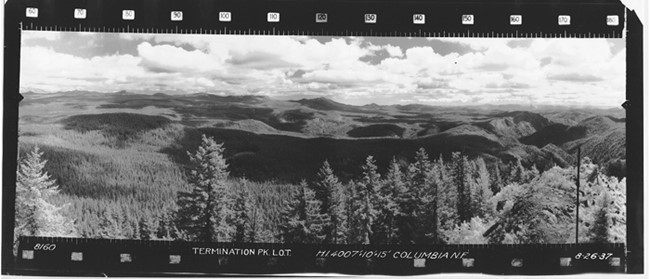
(300, 97)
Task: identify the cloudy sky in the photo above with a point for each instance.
(359, 70)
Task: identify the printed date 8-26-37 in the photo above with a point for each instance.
(593, 256)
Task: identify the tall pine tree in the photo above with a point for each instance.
(392, 187)
(422, 200)
(242, 211)
(293, 227)
(316, 223)
(447, 196)
(364, 202)
(330, 192)
(461, 177)
(496, 182)
(481, 192)
(517, 173)
(205, 211)
(256, 231)
(36, 215)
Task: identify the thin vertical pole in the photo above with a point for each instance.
(578, 195)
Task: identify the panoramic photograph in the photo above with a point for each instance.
(321, 140)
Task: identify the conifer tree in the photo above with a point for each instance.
(333, 204)
(128, 224)
(316, 223)
(364, 202)
(408, 203)
(204, 212)
(256, 232)
(422, 198)
(447, 196)
(461, 177)
(135, 229)
(325, 182)
(496, 182)
(53, 222)
(517, 173)
(599, 231)
(35, 214)
(481, 192)
(147, 228)
(110, 227)
(293, 227)
(301, 218)
(339, 229)
(388, 205)
(603, 207)
(167, 230)
(348, 192)
(241, 213)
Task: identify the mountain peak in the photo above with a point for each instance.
(319, 99)
(373, 106)
(535, 119)
(122, 92)
(598, 124)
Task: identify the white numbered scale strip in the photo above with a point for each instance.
(119, 257)
(330, 18)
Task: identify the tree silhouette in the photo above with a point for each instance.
(421, 202)
(364, 202)
(35, 214)
(204, 212)
(392, 187)
(329, 191)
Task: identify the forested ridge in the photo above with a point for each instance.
(145, 176)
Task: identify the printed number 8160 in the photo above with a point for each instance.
(45, 246)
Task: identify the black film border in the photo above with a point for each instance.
(443, 18)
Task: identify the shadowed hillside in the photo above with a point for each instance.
(377, 130)
(554, 134)
(268, 157)
(119, 125)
